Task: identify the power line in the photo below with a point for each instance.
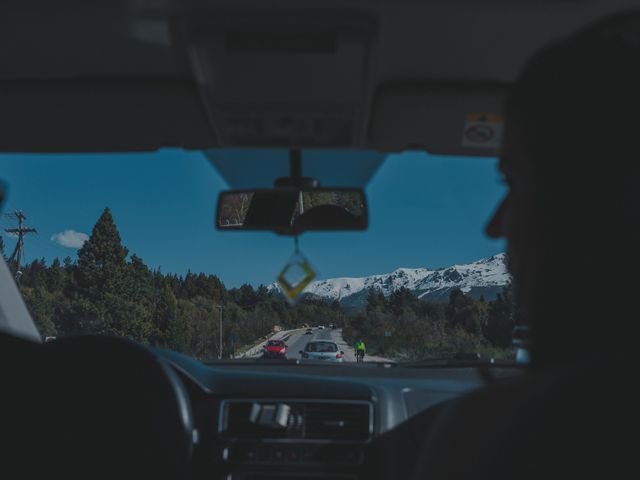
(53, 249)
(21, 231)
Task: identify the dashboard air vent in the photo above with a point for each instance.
(307, 420)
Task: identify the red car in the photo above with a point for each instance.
(275, 349)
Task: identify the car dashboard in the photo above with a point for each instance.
(261, 421)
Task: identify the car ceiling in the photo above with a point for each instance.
(388, 75)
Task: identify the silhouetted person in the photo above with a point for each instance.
(571, 159)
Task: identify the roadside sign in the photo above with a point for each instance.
(482, 130)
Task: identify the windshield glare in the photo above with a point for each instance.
(125, 244)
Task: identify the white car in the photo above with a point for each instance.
(322, 350)
(321, 327)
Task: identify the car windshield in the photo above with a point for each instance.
(275, 343)
(126, 245)
(321, 347)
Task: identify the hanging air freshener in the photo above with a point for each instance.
(295, 275)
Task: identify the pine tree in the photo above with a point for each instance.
(34, 274)
(56, 276)
(262, 293)
(139, 282)
(463, 312)
(41, 306)
(188, 287)
(68, 264)
(402, 300)
(102, 260)
(164, 317)
(100, 302)
(246, 296)
(501, 319)
(375, 301)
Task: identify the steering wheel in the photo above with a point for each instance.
(112, 409)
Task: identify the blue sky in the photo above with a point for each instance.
(425, 211)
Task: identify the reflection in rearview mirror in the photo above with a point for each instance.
(291, 211)
(233, 208)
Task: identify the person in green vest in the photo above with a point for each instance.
(360, 349)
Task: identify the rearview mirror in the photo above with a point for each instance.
(292, 210)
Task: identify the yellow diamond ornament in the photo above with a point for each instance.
(295, 276)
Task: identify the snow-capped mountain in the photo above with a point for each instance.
(485, 277)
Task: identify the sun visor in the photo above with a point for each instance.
(443, 119)
(258, 168)
(282, 81)
(101, 116)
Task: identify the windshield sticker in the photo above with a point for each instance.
(482, 130)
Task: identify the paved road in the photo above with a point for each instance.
(298, 340)
(256, 351)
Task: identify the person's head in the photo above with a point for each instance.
(571, 159)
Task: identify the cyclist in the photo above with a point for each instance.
(360, 349)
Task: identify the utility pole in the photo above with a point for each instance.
(21, 231)
(220, 349)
